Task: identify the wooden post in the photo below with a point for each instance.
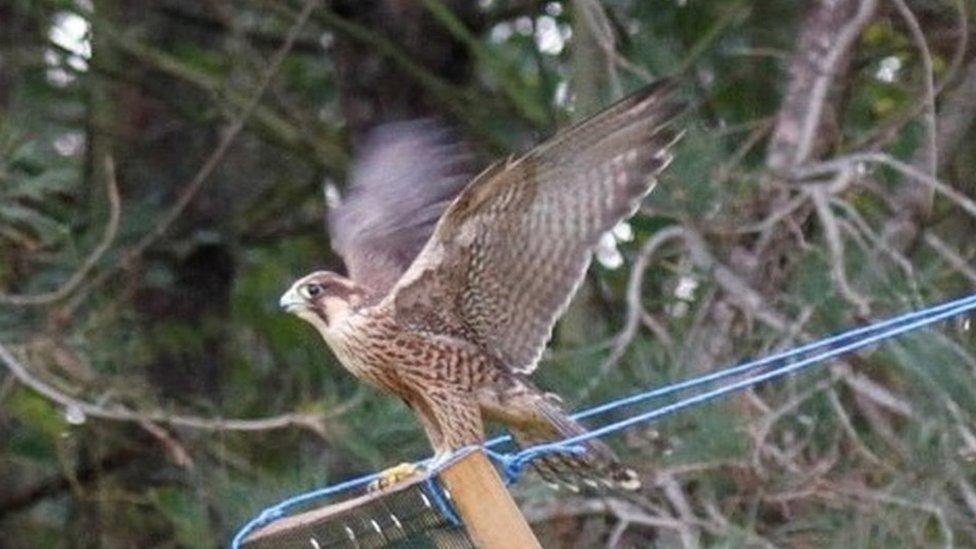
(489, 513)
(490, 518)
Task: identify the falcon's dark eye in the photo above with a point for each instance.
(312, 290)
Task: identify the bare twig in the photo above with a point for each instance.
(952, 257)
(756, 135)
(593, 15)
(313, 422)
(290, 133)
(763, 429)
(6, 386)
(627, 512)
(78, 276)
(54, 485)
(851, 160)
(513, 88)
(965, 430)
(174, 449)
(738, 289)
(928, 154)
(675, 494)
(968, 493)
(695, 468)
(852, 434)
(859, 224)
(635, 309)
(769, 221)
(835, 244)
(880, 497)
(881, 426)
(617, 534)
(660, 331)
(634, 294)
(594, 21)
(731, 14)
(466, 106)
(619, 508)
(877, 393)
(960, 351)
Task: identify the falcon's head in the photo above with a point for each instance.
(324, 299)
(405, 176)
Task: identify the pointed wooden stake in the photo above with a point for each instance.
(489, 513)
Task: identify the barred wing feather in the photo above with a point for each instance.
(511, 250)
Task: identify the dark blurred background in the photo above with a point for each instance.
(153, 395)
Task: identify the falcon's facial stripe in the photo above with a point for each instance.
(322, 298)
(294, 301)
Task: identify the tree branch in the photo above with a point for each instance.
(312, 422)
(850, 162)
(821, 55)
(78, 276)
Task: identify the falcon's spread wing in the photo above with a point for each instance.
(509, 253)
(406, 176)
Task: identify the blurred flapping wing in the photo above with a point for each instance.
(406, 176)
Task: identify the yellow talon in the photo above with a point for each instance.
(395, 475)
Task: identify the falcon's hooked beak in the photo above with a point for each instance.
(291, 301)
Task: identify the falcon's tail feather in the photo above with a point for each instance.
(598, 467)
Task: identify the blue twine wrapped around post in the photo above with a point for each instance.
(440, 500)
(513, 464)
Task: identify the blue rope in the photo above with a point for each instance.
(776, 365)
(942, 313)
(757, 364)
(440, 500)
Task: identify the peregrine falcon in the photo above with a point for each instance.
(454, 284)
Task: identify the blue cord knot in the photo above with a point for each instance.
(514, 464)
(270, 514)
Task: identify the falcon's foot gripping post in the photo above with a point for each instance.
(395, 475)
